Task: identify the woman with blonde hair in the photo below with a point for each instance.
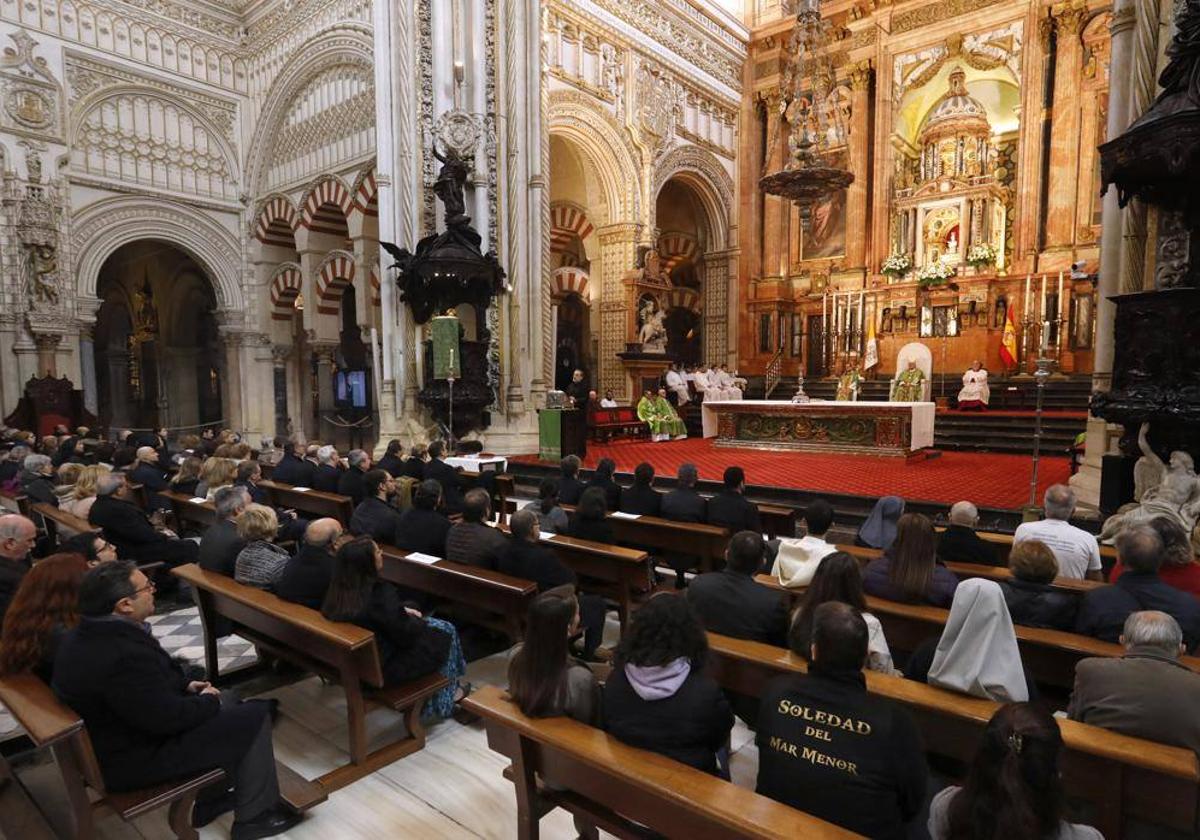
(188, 477)
(261, 562)
(83, 495)
(215, 474)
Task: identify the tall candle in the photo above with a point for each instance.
(1042, 309)
(1060, 291)
(1025, 309)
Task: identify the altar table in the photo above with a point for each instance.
(866, 428)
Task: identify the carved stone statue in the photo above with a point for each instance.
(43, 274)
(33, 166)
(1171, 490)
(449, 187)
(653, 333)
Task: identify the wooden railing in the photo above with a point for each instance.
(773, 373)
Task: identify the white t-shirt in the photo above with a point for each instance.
(607, 403)
(1075, 549)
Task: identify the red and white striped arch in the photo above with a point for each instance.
(676, 248)
(366, 194)
(327, 206)
(334, 276)
(569, 280)
(286, 284)
(566, 223)
(682, 297)
(277, 222)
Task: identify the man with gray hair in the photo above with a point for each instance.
(960, 544)
(128, 528)
(148, 472)
(1076, 550)
(12, 463)
(328, 470)
(17, 538)
(1147, 693)
(220, 544)
(351, 482)
(37, 479)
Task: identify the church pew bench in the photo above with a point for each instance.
(624, 790)
(52, 518)
(707, 542)
(506, 494)
(188, 512)
(603, 423)
(482, 590)
(1118, 775)
(339, 651)
(1004, 544)
(15, 502)
(778, 520)
(313, 503)
(52, 724)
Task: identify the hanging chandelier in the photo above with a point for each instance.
(807, 106)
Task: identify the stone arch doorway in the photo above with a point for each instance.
(685, 236)
(157, 347)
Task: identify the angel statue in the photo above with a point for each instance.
(1171, 490)
(43, 274)
(653, 334)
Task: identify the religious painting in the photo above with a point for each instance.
(824, 231)
(1082, 321)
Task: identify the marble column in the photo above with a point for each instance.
(231, 381)
(618, 255)
(860, 164)
(282, 411)
(1065, 125)
(87, 365)
(325, 353)
(118, 388)
(47, 352)
(775, 209)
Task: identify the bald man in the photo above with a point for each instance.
(148, 472)
(306, 577)
(17, 537)
(960, 544)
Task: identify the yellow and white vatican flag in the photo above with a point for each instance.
(871, 353)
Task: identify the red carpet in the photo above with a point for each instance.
(990, 480)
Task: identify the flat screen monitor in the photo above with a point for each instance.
(350, 389)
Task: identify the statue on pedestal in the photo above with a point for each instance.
(653, 331)
(1170, 490)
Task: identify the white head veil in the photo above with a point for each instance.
(978, 653)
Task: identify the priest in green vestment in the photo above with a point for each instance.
(660, 416)
(909, 385)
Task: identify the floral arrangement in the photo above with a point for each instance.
(896, 264)
(935, 274)
(981, 254)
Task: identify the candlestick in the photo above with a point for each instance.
(1042, 306)
(1025, 308)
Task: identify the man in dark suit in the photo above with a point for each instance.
(292, 469)
(148, 472)
(351, 482)
(473, 541)
(391, 459)
(306, 576)
(570, 488)
(730, 508)
(684, 504)
(602, 477)
(375, 517)
(149, 723)
(327, 473)
(642, 498)
(37, 479)
(960, 544)
(414, 465)
(220, 544)
(445, 475)
(18, 535)
(422, 527)
(128, 527)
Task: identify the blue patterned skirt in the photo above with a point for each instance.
(441, 704)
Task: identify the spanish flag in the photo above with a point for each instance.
(1008, 344)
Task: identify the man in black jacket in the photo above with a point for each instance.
(37, 479)
(149, 724)
(684, 504)
(730, 508)
(148, 472)
(306, 576)
(351, 482)
(438, 470)
(128, 527)
(414, 465)
(570, 488)
(642, 498)
(602, 477)
(375, 517)
(473, 541)
(422, 527)
(220, 543)
(292, 469)
(391, 459)
(17, 538)
(730, 602)
(960, 544)
(327, 472)
(830, 749)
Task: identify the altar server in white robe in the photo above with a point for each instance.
(701, 382)
(975, 394)
(728, 384)
(677, 385)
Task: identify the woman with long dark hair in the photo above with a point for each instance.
(410, 645)
(45, 606)
(658, 697)
(1013, 788)
(590, 520)
(838, 578)
(909, 571)
(544, 680)
(550, 516)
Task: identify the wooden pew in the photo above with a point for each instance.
(778, 520)
(483, 590)
(312, 502)
(189, 512)
(707, 542)
(624, 790)
(339, 651)
(1120, 776)
(1004, 544)
(52, 518)
(621, 574)
(15, 502)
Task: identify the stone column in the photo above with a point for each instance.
(1065, 125)
(231, 382)
(618, 254)
(860, 164)
(47, 350)
(118, 388)
(716, 307)
(282, 410)
(325, 353)
(775, 209)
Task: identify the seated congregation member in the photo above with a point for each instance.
(590, 520)
(684, 503)
(292, 468)
(551, 517)
(731, 603)
(216, 473)
(327, 472)
(249, 473)
(37, 479)
(977, 653)
(839, 578)
(374, 516)
(960, 544)
(391, 461)
(1179, 567)
(414, 465)
(603, 478)
(83, 495)
(1147, 692)
(423, 527)
(148, 723)
(91, 546)
(305, 578)
(1031, 600)
(866, 774)
(64, 480)
(438, 470)
(570, 488)
(17, 538)
(658, 697)
(1102, 612)
(148, 472)
(11, 466)
(129, 528)
(351, 482)
(527, 558)
(260, 563)
(642, 498)
(410, 645)
(796, 560)
(220, 544)
(908, 570)
(1013, 787)
(473, 541)
(1076, 550)
(543, 678)
(879, 531)
(187, 476)
(70, 451)
(45, 606)
(730, 508)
